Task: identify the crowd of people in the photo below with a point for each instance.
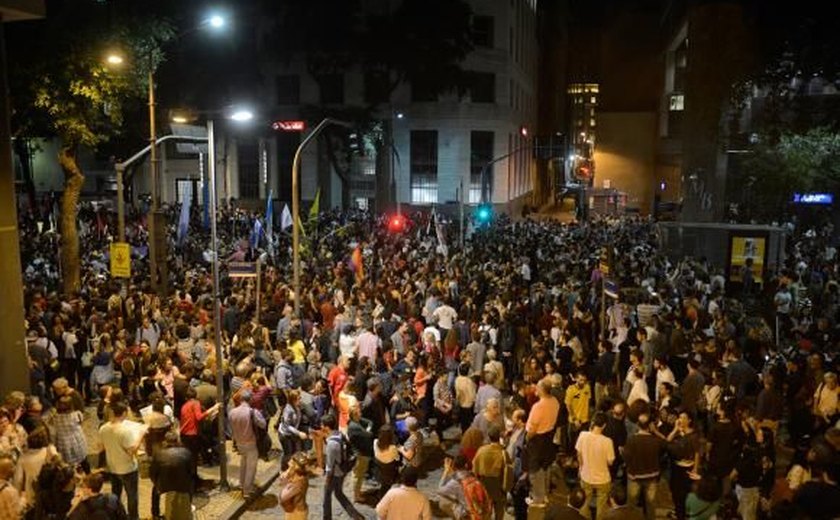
(410, 354)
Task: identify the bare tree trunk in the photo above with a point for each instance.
(73, 181)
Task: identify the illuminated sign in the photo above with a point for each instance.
(813, 198)
(289, 126)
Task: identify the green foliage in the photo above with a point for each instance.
(60, 82)
(796, 162)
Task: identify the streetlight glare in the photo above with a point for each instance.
(217, 21)
(242, 115)
(179, 119)
(114, 59)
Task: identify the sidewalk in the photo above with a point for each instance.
(209, 505)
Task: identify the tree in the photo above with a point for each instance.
(796, 162)
(62, 87)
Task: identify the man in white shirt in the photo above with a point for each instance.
(595, 454)
(445, 317)
(663, 374)
(405, 502)
(121, 440)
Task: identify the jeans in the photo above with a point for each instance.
(359, 472)
(129, 482)
(747, 502)
(602, 495)
(248, 467)
(648, 486)
(335, 485)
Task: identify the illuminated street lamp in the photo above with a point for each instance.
(114, 59)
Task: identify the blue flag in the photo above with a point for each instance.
(184, 220)
(206, 197)
(256, 234)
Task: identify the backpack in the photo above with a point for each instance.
(348, 454)
(479, 505)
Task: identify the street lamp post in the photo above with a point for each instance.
(217, 312)
(296, 204)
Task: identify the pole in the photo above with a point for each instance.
(153, 174)
(120, 203)
(217, 312)
(296, 206)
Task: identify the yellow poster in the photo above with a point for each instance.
(120, 260)
(742, 249)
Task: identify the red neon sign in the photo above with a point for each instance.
(289, 126)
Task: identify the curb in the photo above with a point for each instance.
(240, 505)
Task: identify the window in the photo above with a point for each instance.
(422, 92)
(288, 90)
(332, 89)
(424, 166)
(376, 87)
(676, 103)
(185, 190)
(593, 100)
(483, 87)
(482, 31)
(249, 170)
(481, 153)
(592, 122)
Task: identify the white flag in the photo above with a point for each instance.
(285, 218)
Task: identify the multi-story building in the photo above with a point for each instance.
(438, 144)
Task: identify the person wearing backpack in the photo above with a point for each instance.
(463, 495)
(340, 460)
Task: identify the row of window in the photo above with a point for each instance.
(424, 164)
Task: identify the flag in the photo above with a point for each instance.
(184, 220)
(285, 218)
(315, 208)
(441, 237)
(256, 234)
(357, 264)
(300, 227)
(269, 223)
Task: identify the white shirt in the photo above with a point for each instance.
(638, 391)
(782, 301)
(663, 375)
(117, 439)
(596, 453)
(70, 341)
(445, 316)
(404, 502)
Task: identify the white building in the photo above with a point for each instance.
(438, 142)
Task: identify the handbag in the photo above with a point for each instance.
(261, 435)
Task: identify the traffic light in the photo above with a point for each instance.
(396, 224)
(483, 214)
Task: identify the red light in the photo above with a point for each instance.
(289, 126)
(396, 224)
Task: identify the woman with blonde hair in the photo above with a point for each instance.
(294, 484)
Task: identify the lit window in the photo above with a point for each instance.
(677, 103)
(593, 99)
(592, 122)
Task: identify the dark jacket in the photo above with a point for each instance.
(360, 438)
(172, 470)
(105, 506)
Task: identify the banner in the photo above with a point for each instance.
(743, 248)
(120, 260)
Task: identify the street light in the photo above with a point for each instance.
(296, 203)
(242, 115)
(156, 222)
(217, 21)
(114, 59)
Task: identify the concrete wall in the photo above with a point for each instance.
(625, 156)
